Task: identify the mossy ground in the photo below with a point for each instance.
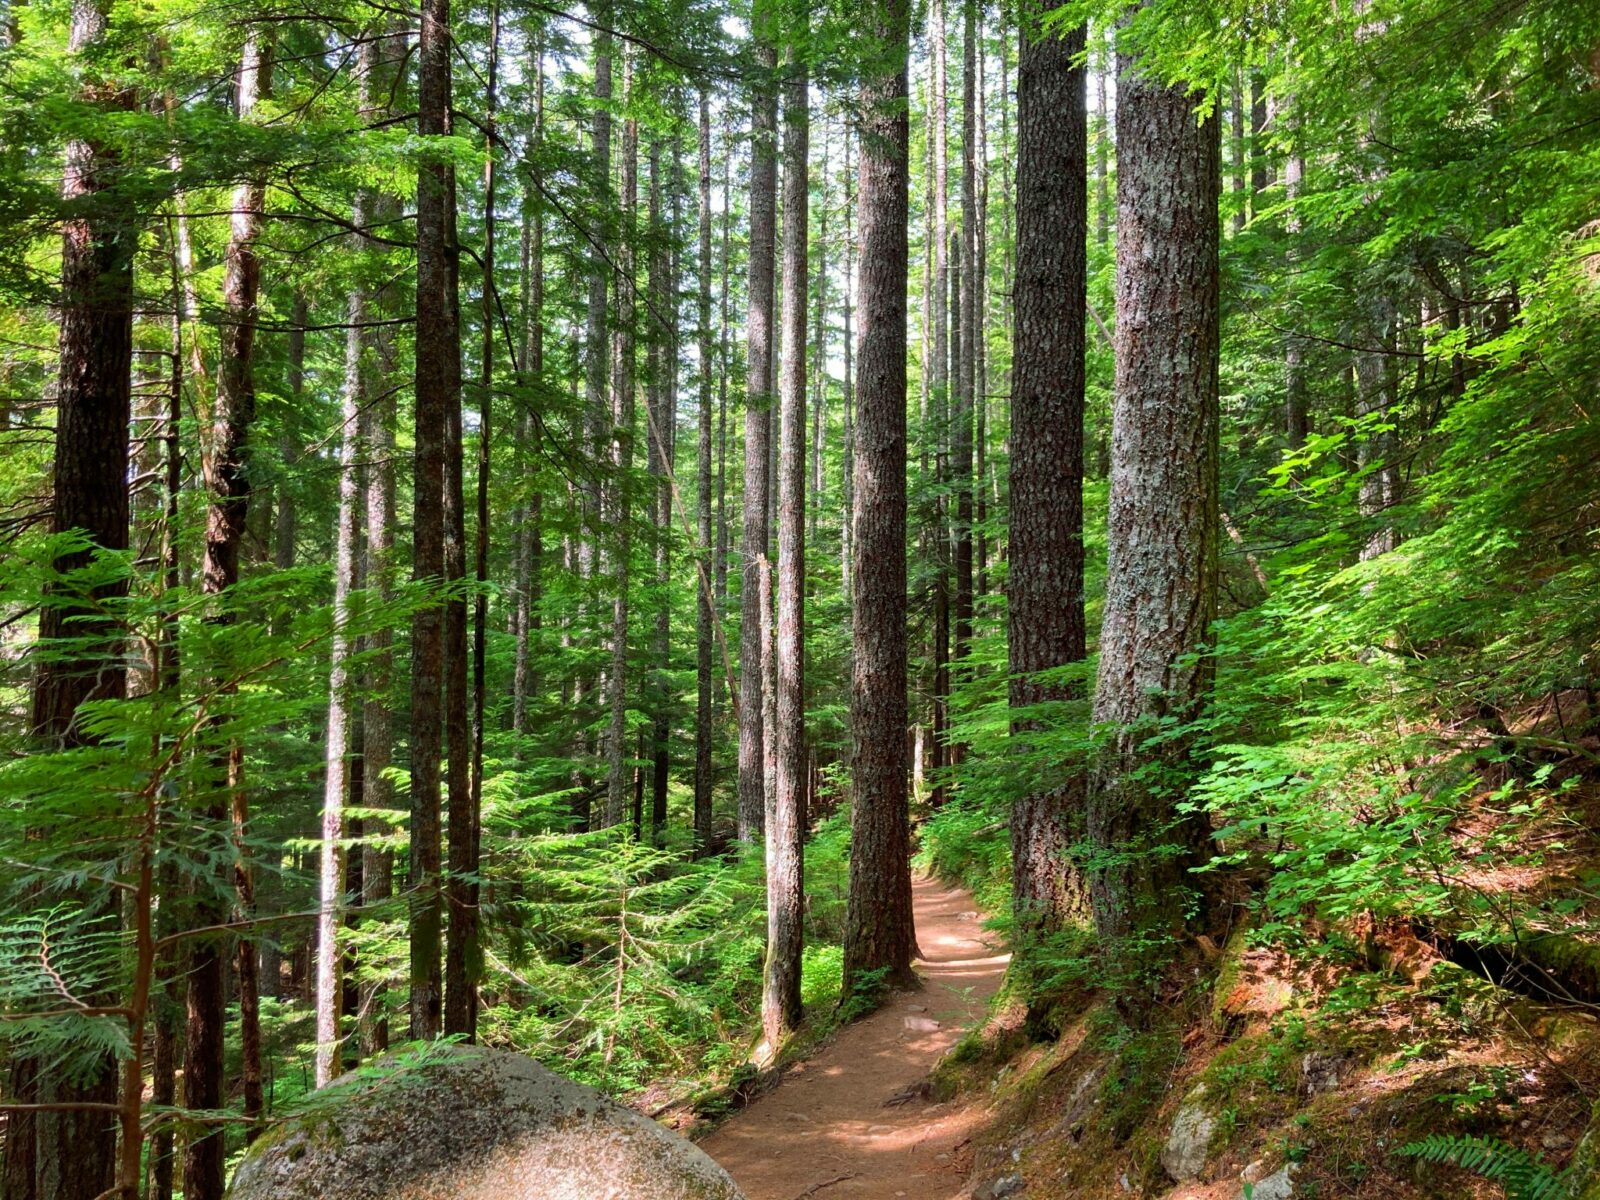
(1338, 1081)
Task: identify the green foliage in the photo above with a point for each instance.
(1523, 1176)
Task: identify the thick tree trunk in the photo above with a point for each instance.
(780, 997)
(1161, 573)
(879, 932)
(68, 1153)
(438, 395)
(757, 434)
(1045, 584)
(705, 612)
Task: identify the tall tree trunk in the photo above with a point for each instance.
(596, 406)
(1236, 149)
(377, 731)
(619, 493)
(1045, 584)
(1260, 175)
(168, 1005)
(1162, 569)
(62, 1153)
(1375, 390)
(438, 392)
(340, 739)
(480, 570)
(847, 470)
(724, 367)
(1102, 136)
(228, 483)
(1296, 414)
(967, 385)
(757, 429)
(530, 547)
(878, 928)
(662, 420)
(980, 347)
(945, 288)
(780, 997)
(819, 351)
(709, 559)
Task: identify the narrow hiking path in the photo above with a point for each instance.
(849, 1122)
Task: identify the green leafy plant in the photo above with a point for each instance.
(1523, 1176)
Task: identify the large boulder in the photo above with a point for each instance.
(474, 1124)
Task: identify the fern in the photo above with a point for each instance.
(1523, 1176)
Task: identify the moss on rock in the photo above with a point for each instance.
(474, 1124)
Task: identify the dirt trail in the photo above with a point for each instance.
(826, 1129)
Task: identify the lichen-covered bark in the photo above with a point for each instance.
(1045, 590)
(1161, 569)
(878, 926)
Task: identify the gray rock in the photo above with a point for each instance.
(1277, 1186)
(994, 1189)
(473, 1124)
(1320, 1073)
(1189, 1143)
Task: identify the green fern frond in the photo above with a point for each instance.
(1523, 1176)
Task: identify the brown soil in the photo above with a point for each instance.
(852, 1122)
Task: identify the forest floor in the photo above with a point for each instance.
(857, 1119)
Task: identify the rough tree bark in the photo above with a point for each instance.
(705, 612)
(1045, 589)
(530, 548)
(1161, 571)
(228, 482)
(879, 933)
(780, 996)
(469, 912)
(62, 1153)
(967, 382)
(340, 739)
(662, 420)
(618, 493)
(847, 469)
(377, 730)
(438, 383)
(757, 427)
